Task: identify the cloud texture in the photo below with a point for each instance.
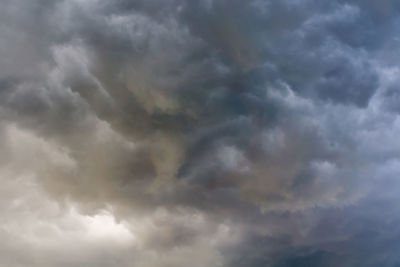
(175, 133)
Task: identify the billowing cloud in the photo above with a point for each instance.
(199, 133)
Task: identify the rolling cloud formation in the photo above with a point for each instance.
(175, 133)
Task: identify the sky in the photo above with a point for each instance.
(218, 133)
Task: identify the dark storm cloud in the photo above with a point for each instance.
(215, 132)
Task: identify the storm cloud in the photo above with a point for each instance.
(174, 133)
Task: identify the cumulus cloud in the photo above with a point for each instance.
(199, 133)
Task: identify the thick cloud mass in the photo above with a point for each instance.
(175, 133)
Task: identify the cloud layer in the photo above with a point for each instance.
(215, 133)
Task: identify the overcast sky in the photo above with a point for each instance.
(199, 133)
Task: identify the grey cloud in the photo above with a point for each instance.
(213, 133)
